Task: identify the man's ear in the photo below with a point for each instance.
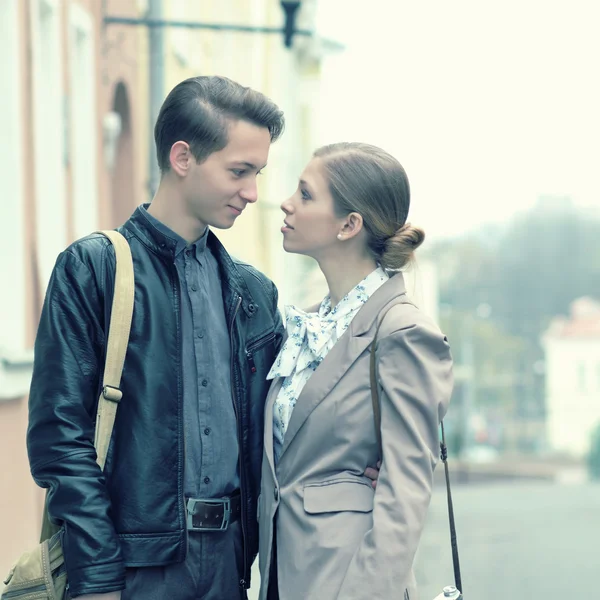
(352, 226)
(180, 158)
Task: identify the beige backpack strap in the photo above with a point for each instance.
(118, 339)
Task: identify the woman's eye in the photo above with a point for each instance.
(237, 172)
(305, 195)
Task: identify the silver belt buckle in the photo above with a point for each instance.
(224, 502)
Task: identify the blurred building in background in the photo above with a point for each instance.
(572, 346)
(82, 83)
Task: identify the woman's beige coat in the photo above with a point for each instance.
(337, 538)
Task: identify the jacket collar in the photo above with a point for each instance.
(365, 319)
(381, 297)
(166, 244)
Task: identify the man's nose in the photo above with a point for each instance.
(250, 192)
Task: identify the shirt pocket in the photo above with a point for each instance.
(340, 495)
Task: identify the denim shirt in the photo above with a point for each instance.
(210, 426)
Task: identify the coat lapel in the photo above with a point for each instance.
(268, 433)
(337, 362)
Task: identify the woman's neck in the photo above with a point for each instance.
(344, 275)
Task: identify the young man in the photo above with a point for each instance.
(205, 331)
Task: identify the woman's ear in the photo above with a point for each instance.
(351, 226)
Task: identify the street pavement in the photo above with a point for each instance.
(521, 540)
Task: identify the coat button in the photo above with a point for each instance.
(276, 494)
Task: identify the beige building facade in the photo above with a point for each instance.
(68, 167)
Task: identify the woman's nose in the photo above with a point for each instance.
(287, 207)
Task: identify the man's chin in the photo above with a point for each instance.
(223, 222)
(222, 225)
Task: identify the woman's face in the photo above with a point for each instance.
(311, 226)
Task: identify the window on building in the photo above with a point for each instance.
(83, 121)
(49, 108)
(12, 271)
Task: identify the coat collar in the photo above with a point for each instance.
(341, 357)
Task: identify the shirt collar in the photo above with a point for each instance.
(355, 298)
(199, 245)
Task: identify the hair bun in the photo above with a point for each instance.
(409, 236)
(399, 247)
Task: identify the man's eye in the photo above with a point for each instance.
(305, 195)
(238, 172)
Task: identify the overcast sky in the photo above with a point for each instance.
(488, 105)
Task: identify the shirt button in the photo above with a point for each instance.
(204, 382)
(200, 335)
(188, 253)
(194, 288)
(207, 480)
(207, 431)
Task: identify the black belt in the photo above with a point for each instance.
(213, 514)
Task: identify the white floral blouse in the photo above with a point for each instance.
(310, 336)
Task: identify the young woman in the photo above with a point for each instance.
(325, 533)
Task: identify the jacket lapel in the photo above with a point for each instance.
(268, 433)
(337, 362)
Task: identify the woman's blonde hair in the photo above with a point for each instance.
(367, 180)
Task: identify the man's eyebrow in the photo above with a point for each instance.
(249, 165)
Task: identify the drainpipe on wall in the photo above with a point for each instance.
(156, 81)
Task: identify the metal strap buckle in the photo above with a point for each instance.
(191, 508)
(112, 393)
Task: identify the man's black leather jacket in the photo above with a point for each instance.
(133, 514)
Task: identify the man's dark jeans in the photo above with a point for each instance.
(211, 571)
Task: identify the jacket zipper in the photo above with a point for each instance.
(254, 346)
(237, 418)
(251, 362)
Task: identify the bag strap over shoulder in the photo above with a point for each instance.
(374, 394)
(443, 447)
(118, 339)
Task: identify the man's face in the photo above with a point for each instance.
(220, 188)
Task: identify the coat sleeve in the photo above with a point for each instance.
(415, 384)
(69, 351)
